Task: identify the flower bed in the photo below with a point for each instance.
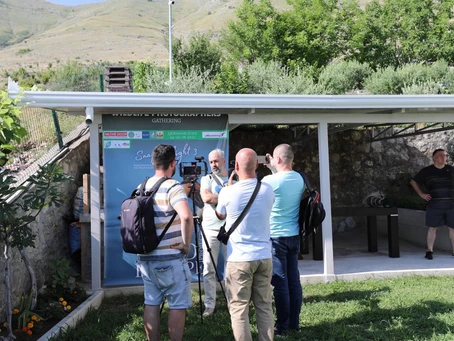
(31, 325)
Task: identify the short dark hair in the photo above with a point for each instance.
(437, 150)
(163, 155)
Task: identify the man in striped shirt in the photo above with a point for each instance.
(165, 271)
(438, 183)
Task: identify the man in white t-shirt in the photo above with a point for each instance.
(249, 265)
(210, 186)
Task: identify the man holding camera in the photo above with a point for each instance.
(438, 181)
(249, 266)
(210, 186)
(288, 187)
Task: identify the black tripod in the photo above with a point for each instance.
(197, 224)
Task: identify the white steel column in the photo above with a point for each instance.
(95, 203)
(325, 192)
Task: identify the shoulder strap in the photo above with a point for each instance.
(167, 227)
(306, 182)
(216, 179)
(246, 209)
(152, 191)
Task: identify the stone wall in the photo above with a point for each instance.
(51, 230)
(358, 167)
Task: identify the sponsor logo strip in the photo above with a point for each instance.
(116, 144)
(165, 135)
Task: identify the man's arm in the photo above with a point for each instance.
(209, 197)
(268, 163)
(187, 226)
(220, 216)
(418, 190)
(220, 211)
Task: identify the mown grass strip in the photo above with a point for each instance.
(409, 308)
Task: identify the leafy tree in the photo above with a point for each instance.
(140, 73)
(310, 32)
(10, 129)
(252, 36)
(397, 32)
(313, 32)
(16, 215)
(199, 53)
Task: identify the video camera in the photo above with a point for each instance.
(191, 170)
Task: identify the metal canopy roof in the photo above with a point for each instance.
(322, 110)
(253, 109)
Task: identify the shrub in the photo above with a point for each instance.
(23, 51)
(384, 81)
(75, 76)
(344, 76)
(426, 88)
(274, 78)
(230, 80)
(437, 78)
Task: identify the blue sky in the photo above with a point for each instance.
(74, 2)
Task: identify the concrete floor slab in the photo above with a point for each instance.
(352, 261)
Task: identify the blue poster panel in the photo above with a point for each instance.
(127, 142)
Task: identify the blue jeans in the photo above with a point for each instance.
(288, 293)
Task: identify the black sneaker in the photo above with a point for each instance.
(429, 254)
(279, 334)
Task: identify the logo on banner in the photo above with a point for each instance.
(145, 134)
(115, 134)
(135, 134)
(159, 134)
(117, 144)
(214, 134)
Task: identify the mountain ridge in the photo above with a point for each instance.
(37, 32)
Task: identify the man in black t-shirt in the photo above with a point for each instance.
(438, 183)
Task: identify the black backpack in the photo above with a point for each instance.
(312, 212)
(137, 226)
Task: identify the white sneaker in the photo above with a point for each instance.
(208, 312)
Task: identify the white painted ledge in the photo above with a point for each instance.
(78, 314)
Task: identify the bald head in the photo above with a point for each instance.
(285, 152)
(246, 163)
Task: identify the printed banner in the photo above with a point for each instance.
(128, 141)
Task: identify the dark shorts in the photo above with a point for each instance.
(436, 217)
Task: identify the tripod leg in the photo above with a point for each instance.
(213, 261)
(198, 269)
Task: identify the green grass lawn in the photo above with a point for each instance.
(409, 308)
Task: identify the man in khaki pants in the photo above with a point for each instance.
(249, 265)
